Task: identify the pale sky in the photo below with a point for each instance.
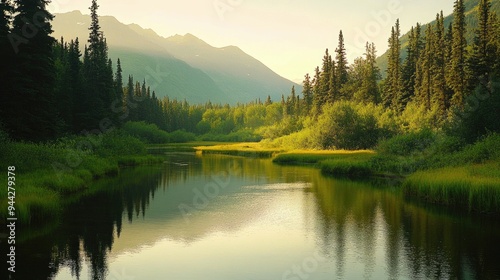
(289, 36)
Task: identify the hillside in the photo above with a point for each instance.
(181, 67)
(471, 19)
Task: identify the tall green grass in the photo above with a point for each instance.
(475, 187)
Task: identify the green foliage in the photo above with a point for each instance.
(407, 144)
(149, 133)
(345, 126)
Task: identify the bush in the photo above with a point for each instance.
(149, 133)
(407, 144)
(343, 126)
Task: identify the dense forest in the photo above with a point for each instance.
(52, 89)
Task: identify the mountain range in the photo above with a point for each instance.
(181, 67)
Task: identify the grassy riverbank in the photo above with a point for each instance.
(46, 173)
(433, 168)
(239, 149)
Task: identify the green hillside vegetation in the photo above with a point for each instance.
(471, 7)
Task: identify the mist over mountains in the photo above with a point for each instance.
(180, 66)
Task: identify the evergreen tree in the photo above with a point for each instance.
(131, 105)
(6, 55)
(342, 67)
(30, 102)
(494, 44)
(394, 83)
(410, 65)
(423, 88)
(482, 58)
(98, 72)
(324, 81)
(333, 86)
(457, 76)
(371, 75)
(307, 92)
(438, 68)
(317, 102)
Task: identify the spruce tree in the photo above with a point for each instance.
(438, 68)
(457, 77)
(30, 102)
(371, 75)
(324, 82)
(317, 102)
(423, 88)
(6, 54)
(341, 70)
(414, 50)
(307, 92)
(482, 58)
(394, 82)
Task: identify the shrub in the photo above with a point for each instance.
(149, 133)
(407, 144)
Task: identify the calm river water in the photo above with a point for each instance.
(230, 218)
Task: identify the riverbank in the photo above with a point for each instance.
(239, 149)
(430, 168)
(46, 174)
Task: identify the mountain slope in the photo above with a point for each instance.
(182, 67)
(471, 20)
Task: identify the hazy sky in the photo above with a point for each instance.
(289, 36)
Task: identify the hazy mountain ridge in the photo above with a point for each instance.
(182, 67)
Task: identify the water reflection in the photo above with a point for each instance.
(260, 223)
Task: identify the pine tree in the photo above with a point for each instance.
(31, 100)
(6, 55)
(324, 81)
(438, 68)
(414, 50)
(98, 72)
(317, 102)
(394, 83)
(371, 75)
(76, 91)
(119, 82)
(494, 31)
(342, 67)
(457, 77)
(307, 92)
(482, 58)
(423, 88)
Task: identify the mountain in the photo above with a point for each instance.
(181, 67)
(471, 19)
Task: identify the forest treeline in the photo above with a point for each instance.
(51, 89)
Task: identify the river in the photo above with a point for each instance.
(220, 217)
